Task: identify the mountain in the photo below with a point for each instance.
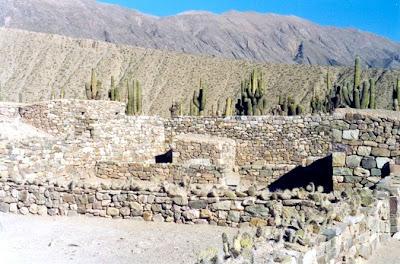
(249, 36)
(32, 65)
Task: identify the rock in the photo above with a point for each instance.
(198, 204)
(380, 152)
(24, 211)
(368, 163)
(353, 161)
(364, 151)
(112, 211)
(42, 210)
(191, 214)
(257, 210)
(234, 216)
(224, 205)
(205, 213)
(180, 200)
(13, 208)
(351, 134)
(33, 209)
(4, 207)
(394, 170)
(147, 216)
(361, 172)
(396, 236)
(158, 218)
(342, 172)
(125, 211)
(381, 162)
(136, 209)
(338, 159)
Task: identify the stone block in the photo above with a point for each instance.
(381, 162)
(361, 172)
(364, 151)
(338, 159)
(351, 134)
(380, 152)
(342, 172)
(368, 163)
(353, 161)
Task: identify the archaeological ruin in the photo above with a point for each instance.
(320, 188)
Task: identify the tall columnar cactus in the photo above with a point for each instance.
(396, 96)
(252, 100)
(93, 89)
(62, 93)
(228, 107)
(134, 105)
(113, 90)
(365, 96)
(372, 93)
(359, 97)
(357, 73)
(199, 101)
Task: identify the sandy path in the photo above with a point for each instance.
(33, 239)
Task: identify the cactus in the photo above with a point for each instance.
(252, 97)
(356, 98)
(52, 95)
(228, 107)
(365, 96)
(113, 90)
(346, 94)
(198, 102)
(357, 73)
(396, 96)
(93, 89)
(62, 93)
(372, 94)
(134, 105)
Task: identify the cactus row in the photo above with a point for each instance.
(252, 100)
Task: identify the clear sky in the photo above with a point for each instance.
(378, 16)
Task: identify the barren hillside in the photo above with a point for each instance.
(251, 36)
(35, 63)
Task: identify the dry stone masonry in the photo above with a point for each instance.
(69, 157)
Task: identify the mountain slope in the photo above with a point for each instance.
(34, 64)
(252, 36)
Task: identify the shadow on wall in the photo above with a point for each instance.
(320, 173)
(164, 158)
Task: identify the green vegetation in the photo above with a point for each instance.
(134, 105)
(199, 101)
(93, 89)
(252, 100)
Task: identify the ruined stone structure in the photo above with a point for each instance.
(69, 157)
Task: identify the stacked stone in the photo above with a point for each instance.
(264, 174)
(364, 147)
(263, 140)
(173, 173)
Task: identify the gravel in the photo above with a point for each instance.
(81, 239)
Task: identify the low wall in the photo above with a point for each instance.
(173, 173)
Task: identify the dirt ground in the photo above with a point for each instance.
(33, 239)
(387, 253)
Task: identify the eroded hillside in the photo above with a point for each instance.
(32, 64)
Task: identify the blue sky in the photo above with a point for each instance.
(378, 16)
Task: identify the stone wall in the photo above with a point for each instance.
(204, 149)
(263, 140)
(364, 144)
(173, 173)
(65, 138)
